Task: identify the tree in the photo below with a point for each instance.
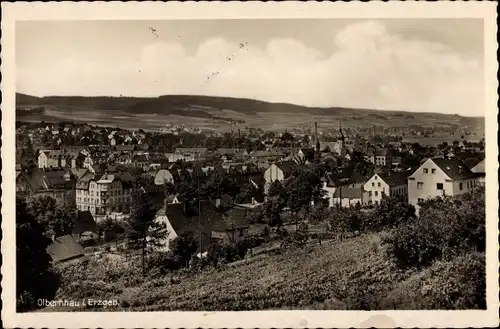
(447, 226)
(34, 279)
(183, 248)
(275, 189)
(390, 213)
(273, 208)
(304, 189)
(56, 220)
(246, 194)
(141, 228)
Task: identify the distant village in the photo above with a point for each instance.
(94, 171)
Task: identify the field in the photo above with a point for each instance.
(352, 274)
(220, 113)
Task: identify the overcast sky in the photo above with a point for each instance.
(424, 65)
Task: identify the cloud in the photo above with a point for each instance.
(369, 68)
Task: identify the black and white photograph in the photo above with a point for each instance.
(219, 164)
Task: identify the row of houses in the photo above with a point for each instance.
(434, 177)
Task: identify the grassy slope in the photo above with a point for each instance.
(351, 275)
(192, 109)
(319, 277)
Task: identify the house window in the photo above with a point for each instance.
(439, 186)
(420, 185)
(376, 193)
(370, 194)
(420, 200)
(461, 186)
(426, 171)
(373, 184)
(378, 184)
(433, 170)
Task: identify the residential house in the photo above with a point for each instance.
(141, 161)
(104, 194)
(57, 184)
(189, 218)
(387, 184)
(307, 154)
(65, 249)
(330, 185)
(480, 172)
(437, 177)
(380, 157)
(350, 196)
(192, 154)
(50, 159)
(94, 159)
(231, 227)
(279, 171)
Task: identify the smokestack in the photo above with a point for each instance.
(316, 130)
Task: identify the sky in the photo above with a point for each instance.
(421, 65)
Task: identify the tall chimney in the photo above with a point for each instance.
(316, 130)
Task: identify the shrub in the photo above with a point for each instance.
(456, 284)
(389, 213)
(161, 262)
(447, 227)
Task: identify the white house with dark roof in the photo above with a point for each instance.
(436, 177)
(387, 184)
(480, 171)
(350, 196)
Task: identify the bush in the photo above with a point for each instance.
(161, 263)
(447, 227)
(457, 284)
(390, 213)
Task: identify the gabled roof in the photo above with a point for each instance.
(48, 179)
(479, 168)
(184, 220)
(235, 219)
(347, 192)
(470, 162)
(84, 222)
(308, 153)
(65, 248)
(83, 182)
(395, 179)
(356, 177)
(454, 168)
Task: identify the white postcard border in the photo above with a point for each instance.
(13, 12)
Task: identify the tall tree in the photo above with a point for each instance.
(32, 260)
(183, 248)
(56, 220)
(142, 229)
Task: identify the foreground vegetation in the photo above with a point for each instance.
(354, 274)
(394, 261)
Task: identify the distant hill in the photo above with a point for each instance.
(248, 111)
